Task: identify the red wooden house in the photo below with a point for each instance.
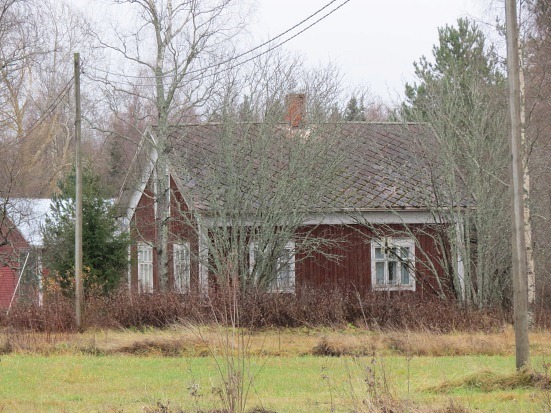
(377, 206)
(20, 249)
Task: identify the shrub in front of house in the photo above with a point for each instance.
(255, 309)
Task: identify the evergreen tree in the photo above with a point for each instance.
(461, 56)
(245, 110)
(354, 111)
(116, 156)
(104, 247)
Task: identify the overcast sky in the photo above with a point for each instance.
(374, 42)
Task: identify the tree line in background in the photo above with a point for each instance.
(183, 66)
(37, 110)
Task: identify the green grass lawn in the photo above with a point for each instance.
(86, 383)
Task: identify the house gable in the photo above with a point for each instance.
(129, 197)
(143, 230)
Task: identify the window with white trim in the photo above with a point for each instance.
(393, 264)
(29, 275)
(145, 266)
(284, 266)
(181, 260)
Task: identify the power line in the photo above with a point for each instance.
(234, 57)
(287, 40)
(54, 104)
(217, 65)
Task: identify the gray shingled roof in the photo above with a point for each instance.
(381, 167)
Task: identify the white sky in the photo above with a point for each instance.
(374, 42)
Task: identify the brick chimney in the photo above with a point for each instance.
(295, 109)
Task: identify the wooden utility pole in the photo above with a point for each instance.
(78, 200)
(520, 267)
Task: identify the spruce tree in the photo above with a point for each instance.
(104, 247)
(354, 111)
(461, 55)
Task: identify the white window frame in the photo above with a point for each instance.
(410, 264)
(275, 286)
(145, 267)
(181, 266)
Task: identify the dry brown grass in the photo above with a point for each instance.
(400, 406)
(166, 408)
(12, 341)
(489, 381)
(198, 341)
(430, 344)
(456, 344)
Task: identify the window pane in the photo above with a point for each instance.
(145, 267)
(405, 274)
(283, 278)
(394, 262)
(181, 267)
(392, 272)
(380, 273)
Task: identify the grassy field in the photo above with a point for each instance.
(129, 371)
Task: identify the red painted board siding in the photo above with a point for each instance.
(346, 264)
(9, 262)
(144, 229)
(8, 280)
(349, 267)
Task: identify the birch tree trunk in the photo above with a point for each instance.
(526, 194)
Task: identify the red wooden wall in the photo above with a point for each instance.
(143, 228)
(9, 264)
(346, 264)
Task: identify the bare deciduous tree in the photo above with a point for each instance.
(178, 48)
(37, 44)
(461, 95)
(261, 173)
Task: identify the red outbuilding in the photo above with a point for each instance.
(20, 250)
